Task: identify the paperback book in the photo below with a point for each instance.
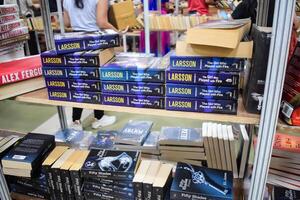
(91, 58)
(14, 33)
(11, 25)
(205, 78)
(75, 96)
(80, 41)
(181, 136)
(193, 182)
(112, 182)
(201, 92)
(138, 101)
(195, 63)
(138, 179)
(134, 133)
(8, 18)
(8, 9)
(134, 88)
(20, 69)
(111, 164)
(201, 105)
(91, 73)
(104, 140)
(76, 84)
(140, 69)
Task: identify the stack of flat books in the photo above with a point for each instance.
(108, 174)
(182, 144)
(280, 193)
(285, 162)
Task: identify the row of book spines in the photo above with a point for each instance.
(8, 18)
(11, 25)
(9, 9)
(146, 191)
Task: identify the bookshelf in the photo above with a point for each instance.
(41, 97)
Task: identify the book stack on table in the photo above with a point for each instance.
(108, 174)
(134, 80)
(72, 70)
(13, 32)
(22, 165)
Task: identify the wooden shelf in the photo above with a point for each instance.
(41, 97)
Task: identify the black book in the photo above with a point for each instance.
(280, 193)
(111, 164)
(118, 183)
(28, 191)
(29, 152)
(149, 179)
(162, 182)
(134, 133)
(138, 179)
(193, 182)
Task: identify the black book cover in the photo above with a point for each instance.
(118, 183)
(104, 140)
(77, 184)
(194, 182)
(138, 190)
(67, 183)
(159, 193)
(57, 183)
(31, 150)
(91, 195)
(147, 191)
(280, 193)
(111, 164)
(134, 132)
(50, 183)
(28, 191)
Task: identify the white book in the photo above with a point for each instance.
(245, 152)
(232, 151)
(216, 145)
(206, 145)
(222, 147)
(211, 145)
(227, 147)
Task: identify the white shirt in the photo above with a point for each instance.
(82, 19)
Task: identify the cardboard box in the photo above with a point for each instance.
(244, 50)
(201, 105)
(226, 38)
(122, 14)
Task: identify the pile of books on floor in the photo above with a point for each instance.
(22, 165)
(13, 32)
(134, 80)
(137, 135)
(285, 162)
(108, 174)
(20, 76)
(182, 145)
(72, 70)
(171, 22)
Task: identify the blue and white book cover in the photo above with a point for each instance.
(194, 182)
(91, 73)
(112, 164)
(134, 132)
(74, 84)
(181, 136)
(104, 140)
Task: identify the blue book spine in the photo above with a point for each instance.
(204, 78)
(64, 46)
(91, 73)
(75, 96)
(196, 63)
(63, 84)
(202, 92)
(52, 60)
(113, 74)
(139, 88)
(201, 105)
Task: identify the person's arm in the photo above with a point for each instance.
(67, 21)
(102, 12)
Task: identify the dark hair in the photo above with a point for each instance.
(79, 4)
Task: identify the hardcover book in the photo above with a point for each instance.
(201, 92)
(195, 63)
(141, 69)
(134, 133)
(8, 18)
(9, 9)
(138, 179)
(91, 73)
(92, 58)
(75, 96)
(205, 78)
(134, 88)
(154, 102)
(11, 25)
(104, 140)
(30, 151)
(20, 69)
(79, 41)
(77, 84)
(201, 105)
(280, 193)
(193, 182)
(181, 136)
(14, 33)
(111, 164)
